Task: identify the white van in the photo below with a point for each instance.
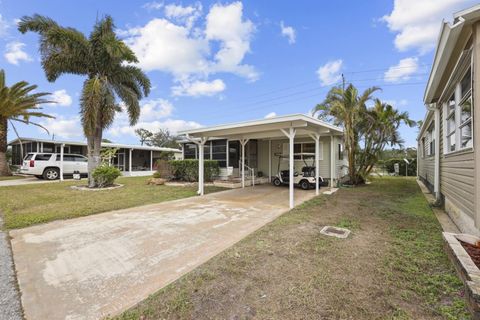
(47, 165)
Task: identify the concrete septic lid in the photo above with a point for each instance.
(337, 232)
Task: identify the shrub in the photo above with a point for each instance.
(104, 175)
(187, 170)
(157, 175)
(389, 165)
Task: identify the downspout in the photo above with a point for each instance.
(436, 181)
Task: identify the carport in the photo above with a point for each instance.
(291, 126)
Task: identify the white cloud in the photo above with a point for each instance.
(154, 5)
(199, 88)
(288, 32)
(14, 53)
(61, 97)
(155, 115)
(193, 53)
(270, 115)
(184, 15)
(225, 24)
(417, 23)
(63, 127)
(402, 71)
(3, 26)
(329, 73)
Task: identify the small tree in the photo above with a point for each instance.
(144, 135)
(163, 138)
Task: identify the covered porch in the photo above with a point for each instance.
(264, 147)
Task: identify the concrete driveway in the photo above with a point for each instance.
(91, 267)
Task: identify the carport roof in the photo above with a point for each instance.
(266, 128)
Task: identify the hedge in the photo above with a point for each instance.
(187, 170)
(389, 165)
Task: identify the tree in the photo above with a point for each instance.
(344, 107)
(17, 103)
(144, 135)
(106, 61)
(163, 138)
(367, 131)
(378, 128)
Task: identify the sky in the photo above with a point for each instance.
(213, 62)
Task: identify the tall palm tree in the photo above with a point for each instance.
(344, 107)
(17, 103)
(106, 61)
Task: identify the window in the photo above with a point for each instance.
(48, 147)
(340, 151)
(81, 159)
(189, 151)
(219, 152)
(76, 149)
(303, 151)
(42, 157)
(423, 147)
(431, 140)
(458, 116)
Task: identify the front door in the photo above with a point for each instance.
(234, 153)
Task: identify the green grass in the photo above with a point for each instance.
(11, 178)
(27, 205)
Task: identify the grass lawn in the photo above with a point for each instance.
(26, 205)
(391, 267)
(11, 178)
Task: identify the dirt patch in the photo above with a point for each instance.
(473, 252)
(288, 270)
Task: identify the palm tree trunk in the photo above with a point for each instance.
(94, 146)
(4, 167)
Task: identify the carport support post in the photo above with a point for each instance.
(243, 142)
(130, 161)
(151, 160)
(332, 160)
(291, 136)
(201, 166)
(269, 160)
(316, 138)
(61, 161)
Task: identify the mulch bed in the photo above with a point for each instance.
(473, 251)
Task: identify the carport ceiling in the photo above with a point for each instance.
(266, 128)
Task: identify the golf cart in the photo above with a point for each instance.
(304, 180)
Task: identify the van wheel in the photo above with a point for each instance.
(51, 174)
(304, 184)
(277, 182)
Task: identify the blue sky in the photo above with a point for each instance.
(215, 62)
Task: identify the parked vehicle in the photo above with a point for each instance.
(304, 180)
(47, 165)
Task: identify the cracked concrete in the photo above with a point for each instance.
(100, 265)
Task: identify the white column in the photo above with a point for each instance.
(228, 153)
(436, 183)
(332, 161)
(130, 161)
(291, 136)
(243, 142)
(151, 160)
(201, 153)
(269, 160)
(61, 161)
(316, 138)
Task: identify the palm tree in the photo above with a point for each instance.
(106, 61)
(379, 128)
(17, 103)
(344, 108)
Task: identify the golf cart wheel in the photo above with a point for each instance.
(277, 182)
(304, 184)
(51, 174)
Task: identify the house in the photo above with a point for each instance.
(143, 158)
(268, 145)
(449, 139)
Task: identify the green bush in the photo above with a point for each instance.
(389, 165)
(104, 175)
(187, 170)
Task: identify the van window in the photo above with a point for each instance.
(81, 159)
(66, 157)
(28, 156)
(42, 157)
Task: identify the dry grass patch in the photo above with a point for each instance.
(391, 267)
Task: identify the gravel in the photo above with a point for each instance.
(10, 305)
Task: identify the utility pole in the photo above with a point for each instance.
(343, 83)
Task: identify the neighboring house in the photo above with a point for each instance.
(449, 139)
(267, 142)
(143, 158)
